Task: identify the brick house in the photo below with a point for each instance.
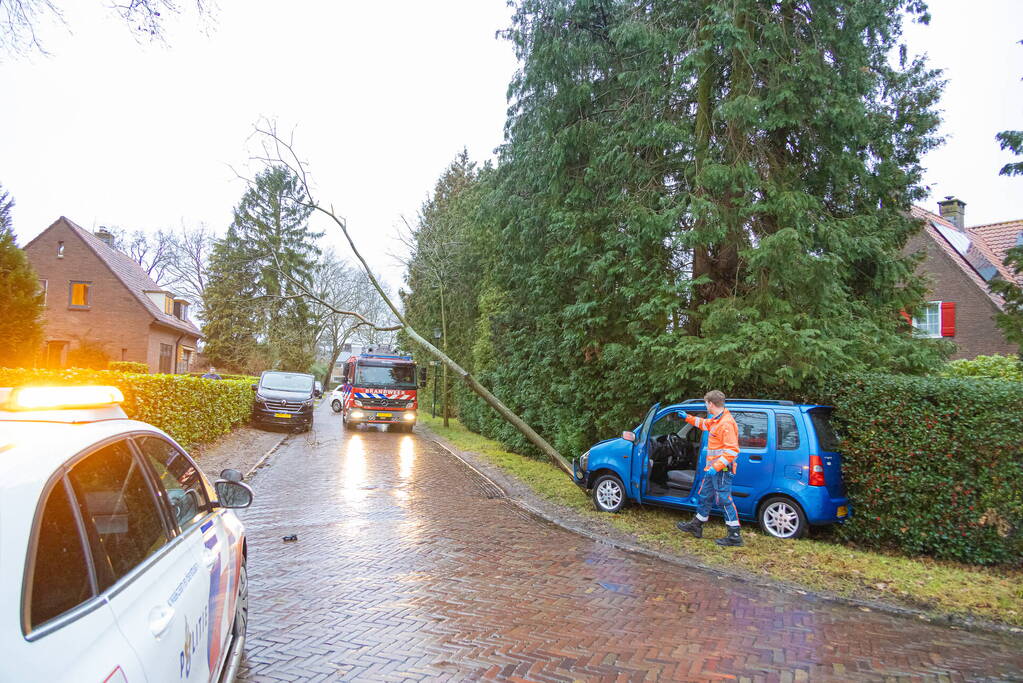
(97, 296)
(959, 262)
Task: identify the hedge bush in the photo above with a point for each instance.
(993, 367)
(128, 366)
(190, 409)
(933, 465)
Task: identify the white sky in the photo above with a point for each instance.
(110, 132)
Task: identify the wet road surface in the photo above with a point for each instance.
(410, 567)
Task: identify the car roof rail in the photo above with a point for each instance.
(777, 402)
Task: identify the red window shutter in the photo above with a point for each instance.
(948, 319)
(906, 317)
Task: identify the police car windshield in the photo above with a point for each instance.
(399, 376)
(284, 381)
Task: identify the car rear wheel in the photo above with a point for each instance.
(782, 518)
(335, 405)
(241, 611)
(608, 493)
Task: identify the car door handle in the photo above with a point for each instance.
(756, 458)
(160, 618)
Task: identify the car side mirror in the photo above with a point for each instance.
(255, 386)
(319, 394)
(231, 475)
(629, 436)
(233, 494)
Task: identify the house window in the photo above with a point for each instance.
(168, 305)
(927, 321)
(60, 250)
(42, 288)
(78, 294)
(166, 358)
(185, 362)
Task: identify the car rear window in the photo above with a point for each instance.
(826, 435)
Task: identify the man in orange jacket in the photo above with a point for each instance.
(716, 485)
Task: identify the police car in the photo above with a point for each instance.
(118, 560)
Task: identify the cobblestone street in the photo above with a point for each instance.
(409, 566)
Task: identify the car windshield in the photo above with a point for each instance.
(399, 376)
(286, 381)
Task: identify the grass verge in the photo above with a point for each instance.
(993, 594)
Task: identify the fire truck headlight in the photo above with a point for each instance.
(357, 415)
(410, 416)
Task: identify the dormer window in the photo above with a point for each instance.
(60, 249)
(168, 304)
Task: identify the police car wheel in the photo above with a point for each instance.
(608, 493)
(241, 610)
(782, 518)
(335, 405)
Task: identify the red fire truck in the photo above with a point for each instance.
(378, 389)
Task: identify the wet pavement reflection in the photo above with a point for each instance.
(409, 567)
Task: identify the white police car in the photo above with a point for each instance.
(118, 560)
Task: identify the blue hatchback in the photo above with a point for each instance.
(789, 472)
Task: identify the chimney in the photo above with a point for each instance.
(954, 211)
(105, 236)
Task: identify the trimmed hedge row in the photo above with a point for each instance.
(128, 366)
(933, 465)
(192, 410)
(992, 367)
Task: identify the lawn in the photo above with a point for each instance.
(818, 564)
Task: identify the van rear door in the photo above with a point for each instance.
(828, 447)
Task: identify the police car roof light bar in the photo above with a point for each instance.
(61, 398)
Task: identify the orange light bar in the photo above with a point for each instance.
(57, 398)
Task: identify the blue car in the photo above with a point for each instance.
(789, 472)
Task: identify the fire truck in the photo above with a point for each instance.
(378, 389)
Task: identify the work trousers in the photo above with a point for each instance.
(716, 490)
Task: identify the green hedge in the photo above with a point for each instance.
(190, 409)
(933, 465)
(128, 366)
(992, 367)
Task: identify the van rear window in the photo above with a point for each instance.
(826, 435)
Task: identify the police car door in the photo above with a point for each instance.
(67, 631)
(213, 590)
(204, 596)
(151, 573)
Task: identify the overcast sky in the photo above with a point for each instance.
(108, 131)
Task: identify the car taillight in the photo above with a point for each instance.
(816, 471)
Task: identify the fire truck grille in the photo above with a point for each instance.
(383, 402)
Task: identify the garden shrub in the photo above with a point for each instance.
(933, 465)
(128, 366)
(190, 409)
(993, 367)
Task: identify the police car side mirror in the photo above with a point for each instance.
(233, 494)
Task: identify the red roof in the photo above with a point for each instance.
(931, 224)
(999, 238)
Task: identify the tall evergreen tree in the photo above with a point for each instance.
(266, 253)
(21, 301)
(696, 193)
(230, 309)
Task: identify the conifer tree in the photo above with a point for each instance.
(21, 301)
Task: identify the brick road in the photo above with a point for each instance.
(409, 567)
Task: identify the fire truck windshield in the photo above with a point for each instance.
(397, 376)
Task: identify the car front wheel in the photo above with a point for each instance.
(782, 518)
(608, 493)
(335, 405)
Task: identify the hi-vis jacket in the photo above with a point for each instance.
(722, 442)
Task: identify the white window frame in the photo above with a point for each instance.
(928, 326)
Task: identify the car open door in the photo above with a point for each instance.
(641, 454)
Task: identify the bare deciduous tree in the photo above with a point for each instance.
(279, 150)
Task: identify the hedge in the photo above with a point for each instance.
(190, 409)
(933, 465)
(993, 367)
(128, 366)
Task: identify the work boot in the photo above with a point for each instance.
(732, 539)
(693, 526)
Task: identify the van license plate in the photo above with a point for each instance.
(381, 416)
(286, 416)
(843, 511)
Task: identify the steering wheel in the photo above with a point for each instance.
(677, 445)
